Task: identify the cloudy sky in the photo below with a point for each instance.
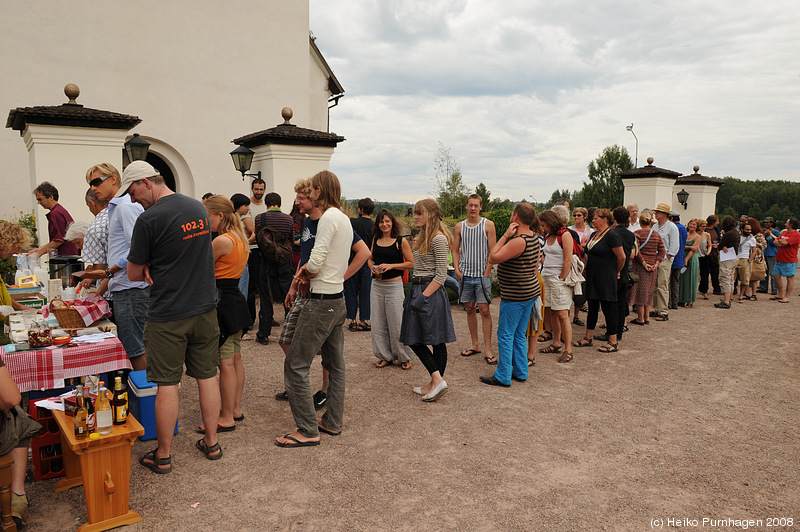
(526, 93)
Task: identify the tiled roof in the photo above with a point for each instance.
(290, 134)
(649, 171)
(70, 115)
(698, 179)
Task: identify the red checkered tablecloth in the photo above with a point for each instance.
(45, 369)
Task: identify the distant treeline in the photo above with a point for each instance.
(759, 199)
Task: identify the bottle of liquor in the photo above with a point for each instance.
(91, 420)
(119, 404)
(104, 417)
(81, 430)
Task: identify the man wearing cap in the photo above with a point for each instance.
(770, 233)
(678, 263)
(786, 260)
(131, 298)
(171, 249)
(670, 236)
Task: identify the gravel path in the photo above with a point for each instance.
(684, 423)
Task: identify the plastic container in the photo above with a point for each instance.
(142, 403)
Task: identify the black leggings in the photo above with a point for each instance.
(433, 362)
(609, 311)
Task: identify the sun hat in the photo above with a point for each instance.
(135, 171)
(662, 207)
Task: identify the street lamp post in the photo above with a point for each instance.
(636, 161)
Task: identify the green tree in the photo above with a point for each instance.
(484, 193)
(605, 188)
(451, 192)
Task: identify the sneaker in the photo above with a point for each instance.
(19, 509)
(320, 398)
(722, 304)
(283, 396)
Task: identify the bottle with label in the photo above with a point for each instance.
(91, 420)
(119, 404)
(81, 430)
(105, 420)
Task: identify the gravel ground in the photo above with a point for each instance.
(684, 423)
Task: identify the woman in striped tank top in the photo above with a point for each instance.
(517, 256)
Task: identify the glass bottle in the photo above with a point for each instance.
(91, 420)
(81, 430)
(105, 420)
(119, 403)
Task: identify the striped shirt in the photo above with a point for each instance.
(517, 276)
(474, 249)
(434, 264)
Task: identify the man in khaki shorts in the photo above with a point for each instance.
(171, 250)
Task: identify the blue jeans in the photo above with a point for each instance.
(356, 294)
(511, 341)
(130, 309)
(765, 282)
(244, 280)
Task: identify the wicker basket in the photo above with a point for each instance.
(68, 317)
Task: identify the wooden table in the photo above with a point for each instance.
(103, 466)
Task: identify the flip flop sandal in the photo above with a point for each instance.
(469, 352)
(531, 362)
(546, 336)
(156, 462)
(240, 418)
(382, 363)
(565, 357)
(297, 443)
(220, 428)
(327, 431)
(206, 450)
(406, 365)
(583, 342)
(551, 349)
(493, 360)
(363, 327)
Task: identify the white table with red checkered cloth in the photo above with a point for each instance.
(46, 369)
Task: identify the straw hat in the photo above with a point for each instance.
(663, 207)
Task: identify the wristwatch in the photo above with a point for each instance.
(108, 273)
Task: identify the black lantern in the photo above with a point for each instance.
(683, 198)
(136, 148)
(242, 160)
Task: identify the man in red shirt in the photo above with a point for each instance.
(786, 260)
(58, 219)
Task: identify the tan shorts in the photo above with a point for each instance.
(232, 345)
(743, 271)
(559, 295)
(192, 341)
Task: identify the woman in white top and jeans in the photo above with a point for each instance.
(556, 265)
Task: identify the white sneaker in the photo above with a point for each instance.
(435, 393)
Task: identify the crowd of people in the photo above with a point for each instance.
(333, 273)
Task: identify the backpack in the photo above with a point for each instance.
(577, 250)
(274, 246)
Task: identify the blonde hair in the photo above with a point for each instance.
(434, 225)
(330, 189)
(231, 222)
(105, 169)
(303, 186)
(13, 235)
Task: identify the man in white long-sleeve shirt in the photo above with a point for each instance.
(319, 326)
(671, 238)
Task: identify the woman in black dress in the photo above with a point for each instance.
(604, 261)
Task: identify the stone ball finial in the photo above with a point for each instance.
(72, 92)
(287, 114)
(696, 169)
(650, 160)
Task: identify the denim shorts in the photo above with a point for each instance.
(478, 289)
(785, 269)
(130, 309)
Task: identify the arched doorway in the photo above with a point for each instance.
(170, 164)
(159, 164)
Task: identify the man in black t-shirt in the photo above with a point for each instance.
(171, 250)
(357, 288)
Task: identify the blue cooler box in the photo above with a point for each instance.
(142, 402)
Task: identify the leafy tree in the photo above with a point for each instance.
(560, 194)
(778, 199)
(501, 219)
(484, 193)
(605, 188)
(451, 192)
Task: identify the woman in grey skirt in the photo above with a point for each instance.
(426, 309)
(391, 256)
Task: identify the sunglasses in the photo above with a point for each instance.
(97, 181)
(576, 215)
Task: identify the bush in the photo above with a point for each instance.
(501, 219)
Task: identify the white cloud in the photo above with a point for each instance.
(526, 94)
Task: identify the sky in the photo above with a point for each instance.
(525, 94)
